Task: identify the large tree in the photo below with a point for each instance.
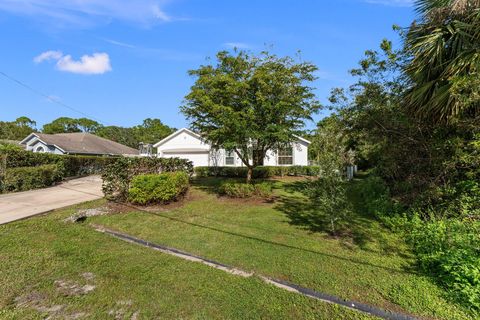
(62, 125)
(251, 104)
(151, 131)
(18, 129)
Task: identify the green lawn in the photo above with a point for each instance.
(283, 239)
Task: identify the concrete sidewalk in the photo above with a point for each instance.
(16, 206)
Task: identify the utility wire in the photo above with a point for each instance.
(49, 98)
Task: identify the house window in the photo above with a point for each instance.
(229, 158)
(285, 156)
(40, 149)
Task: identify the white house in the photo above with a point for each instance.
(187, 144)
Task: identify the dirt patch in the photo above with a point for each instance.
(71, 288)
(123, 311)
(39, 302)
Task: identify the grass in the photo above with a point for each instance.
(284, 239)
(130, 281)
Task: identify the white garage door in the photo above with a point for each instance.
(199, 159)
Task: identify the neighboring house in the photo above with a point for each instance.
(75, 143)
(189, 145)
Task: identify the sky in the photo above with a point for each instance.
(121, 61)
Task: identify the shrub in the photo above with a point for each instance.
(246, 190)
(27, 178)
(118, 175)
(449, 249)
(74, 165)
(258, 173)
(158, 188)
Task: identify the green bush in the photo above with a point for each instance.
(118, 175)
(27, 178)
(244, 190)
(158, 188)
(258, 173)
(74, 165)
(449, 250)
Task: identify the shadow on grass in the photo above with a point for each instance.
(356, 228)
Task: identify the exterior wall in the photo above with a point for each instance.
(188, 146)
(300, 153)
(34, 144)
(199, 159)
(300, 157)
(185, 146)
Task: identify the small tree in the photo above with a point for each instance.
(251, 104)
(328, 196)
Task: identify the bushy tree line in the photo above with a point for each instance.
(150, 131)
(413, 119)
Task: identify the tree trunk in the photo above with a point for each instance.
(249, 174)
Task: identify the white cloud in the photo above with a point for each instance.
(97, 63)
(392, 3)
(48, 55)
(86, 13)
(238, 45)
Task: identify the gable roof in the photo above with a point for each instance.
(179, 131)
(176, 133)
(82, 143)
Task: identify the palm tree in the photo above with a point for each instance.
(444, 68)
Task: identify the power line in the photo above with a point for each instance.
(49, 98)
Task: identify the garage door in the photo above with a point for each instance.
(198, 159)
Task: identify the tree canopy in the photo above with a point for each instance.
(251, 104)
(18, 129)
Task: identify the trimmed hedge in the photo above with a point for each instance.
(158, 188)
(118, 175)
(27, 178)
(73, 165)
(258, 172)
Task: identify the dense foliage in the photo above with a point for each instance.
(246, 190)
(158, 188)
(412, 118)
(118, 175)
(71, 165)
(251, 104)
(27, 178)
(149, 132)
(258, 172)
(16, 130)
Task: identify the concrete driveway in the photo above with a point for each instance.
(19, 205)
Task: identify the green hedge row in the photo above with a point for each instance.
(258, 172)
(27, 178)
(118, 175)
(158, 188)
(73, 165)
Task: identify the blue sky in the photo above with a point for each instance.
(120, 61)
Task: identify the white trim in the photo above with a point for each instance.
(47, 144)
(302, 139)
(176, 133)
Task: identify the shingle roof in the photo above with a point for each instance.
(85, 143)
